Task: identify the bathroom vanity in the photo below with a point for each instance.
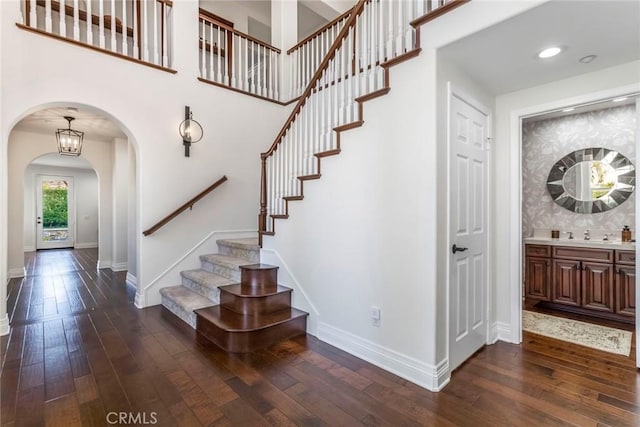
(586, 277)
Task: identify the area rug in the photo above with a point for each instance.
(595, 336)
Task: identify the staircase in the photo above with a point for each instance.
(234, 301)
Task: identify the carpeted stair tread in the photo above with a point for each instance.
(185, 298)
(236, 289)
(249, 243)
(206, 278)
(225, 260)
(231, 321)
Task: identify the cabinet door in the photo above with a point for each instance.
(626, 290)
(566, 281)
(597, 286)
(538, 278)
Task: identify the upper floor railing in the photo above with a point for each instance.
(236, 60)
(136, 29)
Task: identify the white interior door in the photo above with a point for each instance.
(468, 276)
(55, 222)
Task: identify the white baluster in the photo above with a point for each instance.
(381, 32)
(225, 59)
(240, 55)
(33, 14)
(408, 29)
(203, 49)
(364, 22)
(218, 54)
(372, 47)
(419, 8)
(114, 46)
(257, 67)
(399, 32)
(234, 57)
(76, 20)
(390, 31)
(136, 49)
(125, 32)
(101, 37)
(62, 19)
(48, 22)
(165, 48)
(351, 112)
(276, 92)
(145, 30)
(156, 49)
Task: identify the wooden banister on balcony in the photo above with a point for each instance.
(184, 207)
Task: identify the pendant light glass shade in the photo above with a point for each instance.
(69, 140)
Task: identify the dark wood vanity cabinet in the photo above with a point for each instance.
(585, 280)
(626, 283)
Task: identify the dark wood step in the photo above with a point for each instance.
(238, 333)
(232, 297)
(258, 279)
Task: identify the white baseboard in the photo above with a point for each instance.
(17, 272)
(85, 245)
(132, 281)
(504, 332)
(139, 301)
(119, 266)
(103, 264)
(4, 325)
(431, 377)
(493, 333)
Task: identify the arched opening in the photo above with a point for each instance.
(104, 190)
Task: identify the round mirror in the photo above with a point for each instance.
(591, 180)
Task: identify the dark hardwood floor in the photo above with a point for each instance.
(80, 353)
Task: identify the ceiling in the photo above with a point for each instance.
(503, 58)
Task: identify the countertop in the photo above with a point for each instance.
(579, 243)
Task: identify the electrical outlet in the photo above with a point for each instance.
(375, 316)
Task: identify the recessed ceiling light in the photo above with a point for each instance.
(566, 110)
(622, 98)
(549, 52)
(587, 59)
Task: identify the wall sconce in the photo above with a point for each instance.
(69, 140)
(190, 131)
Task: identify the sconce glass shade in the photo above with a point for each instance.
(190, 131)
(69, 140)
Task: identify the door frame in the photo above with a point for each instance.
(455, 90)
(71, 205)
(515, 224)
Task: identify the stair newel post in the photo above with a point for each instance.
(262, 218)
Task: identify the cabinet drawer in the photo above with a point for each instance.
(583, 254)
(543, 251)
(626, 257)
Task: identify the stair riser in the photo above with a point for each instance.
(259, 281)
(222, 270)
(250, 255)
(255, 306)
(245, 342)
(187, 316)
(211, 293)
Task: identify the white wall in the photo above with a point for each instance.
(507, 151)
(132, 224)
(86, 202)
(369, 232)
(120, 209)
(238, 13)
(148, 105)
(4, 318)
(23, 148)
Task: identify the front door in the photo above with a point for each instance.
(468, 275)
(55, 212)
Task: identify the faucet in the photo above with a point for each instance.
(570, 233)
(586, 235)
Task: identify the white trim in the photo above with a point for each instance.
(454, 90)
(103, 264)
(171, 275)
(515, 223)
(4, 325)
(119, 266)
(139, 300)
(504, 332)
(17, 272)
(132, 280)
(29, 249)
(87, 245)
(431, 377)
(271, 256)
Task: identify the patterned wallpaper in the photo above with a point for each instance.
(546, 141)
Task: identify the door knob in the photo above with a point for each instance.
(455, 249)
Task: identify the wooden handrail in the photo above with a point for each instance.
(184, 207)
(206, 16)
(357, 10)
(320, 30)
